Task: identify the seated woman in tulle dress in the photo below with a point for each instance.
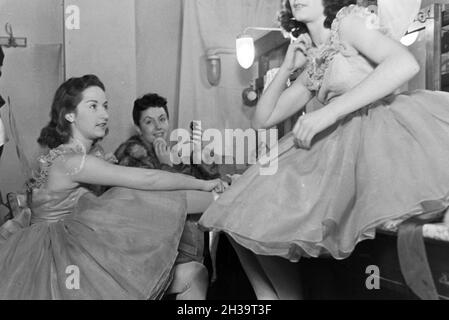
(121, 245)
(366, 156)
(150, 149)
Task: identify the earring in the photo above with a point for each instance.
(69, 118)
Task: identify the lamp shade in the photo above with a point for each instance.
(410, 38)
(245, 51)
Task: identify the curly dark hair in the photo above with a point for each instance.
(331, 8)
(66, 98)
(150, 100)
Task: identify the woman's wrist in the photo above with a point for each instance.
(285, 71)
(335, 110)
(200, 184)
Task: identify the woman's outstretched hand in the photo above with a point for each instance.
(310, 124)
(296, 56)
(217, 185)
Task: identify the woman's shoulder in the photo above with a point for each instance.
(60, 154)
(69, 158)
(355, 10)
(354, 15)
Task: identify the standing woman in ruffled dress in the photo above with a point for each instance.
(121, 245)
(366, 156)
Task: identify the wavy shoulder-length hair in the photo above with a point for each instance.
(67, 97)
(290, 24)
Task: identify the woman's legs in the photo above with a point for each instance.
(190, 281)
(272, 278)
(284, 275)
(261, 284)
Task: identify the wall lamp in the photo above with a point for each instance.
(214, 64)
(244, 45)
(418, 25)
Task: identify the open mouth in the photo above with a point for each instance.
(102, 125)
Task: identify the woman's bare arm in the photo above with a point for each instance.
(395, 66)
(100, 172)
(288, 103)
(278, 103)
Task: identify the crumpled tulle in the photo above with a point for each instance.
(380, 163)
(124, 244)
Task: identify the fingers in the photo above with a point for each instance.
(303, 134)
(305, 38)
(225, 185)
(160, 146)
(299, 46)
(218, 189)
(221, 186)
(157, 147)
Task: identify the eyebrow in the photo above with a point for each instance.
(106, 102)
(162, 115)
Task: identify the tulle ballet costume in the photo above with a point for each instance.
(75, 245)
(378, 163)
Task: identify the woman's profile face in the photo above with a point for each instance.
(154, 124)
(307, 11)
(91, 117)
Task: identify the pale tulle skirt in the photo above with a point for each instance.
(380, 163)
(123, 243)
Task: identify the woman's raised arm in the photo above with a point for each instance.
(395, 66)
(278, 103)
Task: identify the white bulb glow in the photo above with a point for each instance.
(409, 39)
(245, 51)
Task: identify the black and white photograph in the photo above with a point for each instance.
(203, 152)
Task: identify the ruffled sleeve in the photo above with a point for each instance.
(372, 21)
(61, 153)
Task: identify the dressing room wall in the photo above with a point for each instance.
(132, 45)
(30, 77)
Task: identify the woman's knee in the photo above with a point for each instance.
(197, 272)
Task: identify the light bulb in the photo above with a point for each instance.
(409, 39)
(245, 51)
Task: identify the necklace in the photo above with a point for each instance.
(78, 145)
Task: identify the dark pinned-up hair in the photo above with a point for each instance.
(67, 97)
(150, 100)
(331, 8)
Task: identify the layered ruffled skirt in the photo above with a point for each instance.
(122, 245)
(379, 163)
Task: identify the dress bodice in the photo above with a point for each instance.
(49, 205)
(52, 206)
(335, 67)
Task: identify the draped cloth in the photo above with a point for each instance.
(209, 24)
